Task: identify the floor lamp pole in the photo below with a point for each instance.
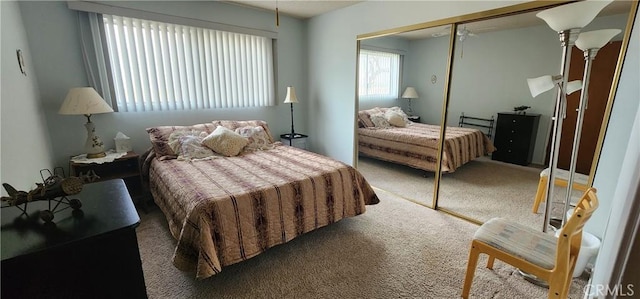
(589, 56)
(292, 130)
(567, 39)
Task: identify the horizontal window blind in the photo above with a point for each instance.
(161, 66)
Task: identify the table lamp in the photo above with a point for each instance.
(86, 101)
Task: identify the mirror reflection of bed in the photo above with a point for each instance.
(484, 52)
(422, 62)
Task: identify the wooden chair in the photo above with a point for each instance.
(580, 182)
(548, 258)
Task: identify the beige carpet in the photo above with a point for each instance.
(481, 189)
(397, 249)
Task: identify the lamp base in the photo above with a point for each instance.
(96, 155)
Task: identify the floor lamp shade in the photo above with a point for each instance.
(573, 15)
(86, 101)
(545, 83)
(595, 39)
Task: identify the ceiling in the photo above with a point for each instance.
(302, 9)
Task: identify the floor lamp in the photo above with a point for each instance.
(290, 99)
(589, 42)
(567, 20)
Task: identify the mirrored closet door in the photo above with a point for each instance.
(391, 165)
(491, 63)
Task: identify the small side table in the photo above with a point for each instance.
(414, 118)
(298, 140)
(126, 167)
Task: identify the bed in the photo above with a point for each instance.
(226, 209)
(416, 144)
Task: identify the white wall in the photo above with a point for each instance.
(53, 34)
(620, 188)
(618, 172)
(25, 146)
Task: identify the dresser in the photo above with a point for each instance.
(515, 137)
(89, 253)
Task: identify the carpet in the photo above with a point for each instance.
(397, 249)
(481, 189)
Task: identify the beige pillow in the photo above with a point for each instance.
(225, 142)
(379, 121)
(395, 119)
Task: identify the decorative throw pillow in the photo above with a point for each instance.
(258, 138)
(234, 124)
(159, 137)
(191, 148)
(225, 142)
(380, 121)
(174, 140)
(364, 117)
(399, 110)
(395, 119)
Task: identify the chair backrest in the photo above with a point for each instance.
(570, 237)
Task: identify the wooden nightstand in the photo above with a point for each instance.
(126, 167)
(414, 118)
(298, 140)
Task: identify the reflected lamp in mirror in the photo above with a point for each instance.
(86, 101)
(410, 93)
(290, 99)
(545, 83)
(594, 40)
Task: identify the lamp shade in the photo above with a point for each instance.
(410, 93)
(84, 101)
(544, 83)
(291, 96)
(573, 86)
(540, 84)
(595, 39)
(573, 15)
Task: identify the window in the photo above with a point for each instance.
(154, 66)
(379, 75)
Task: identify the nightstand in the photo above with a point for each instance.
(298, 140)
(414, 118)
(126, 167)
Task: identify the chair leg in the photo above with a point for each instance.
(559, 286)
(490, 262)
(471, 269)
(540, 193)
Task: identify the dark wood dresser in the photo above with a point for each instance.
(92, 254)
(515, 137)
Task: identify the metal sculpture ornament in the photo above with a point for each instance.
(55, 189)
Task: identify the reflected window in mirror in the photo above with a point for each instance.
(379, 75)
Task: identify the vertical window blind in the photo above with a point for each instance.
(379, 75)
(160, 66)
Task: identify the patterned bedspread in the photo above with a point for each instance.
(417, 145)
(226, 210)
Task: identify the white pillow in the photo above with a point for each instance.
(257, 136)
(401, 112)
(225, 142)
(395, 119)
(379, 121)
